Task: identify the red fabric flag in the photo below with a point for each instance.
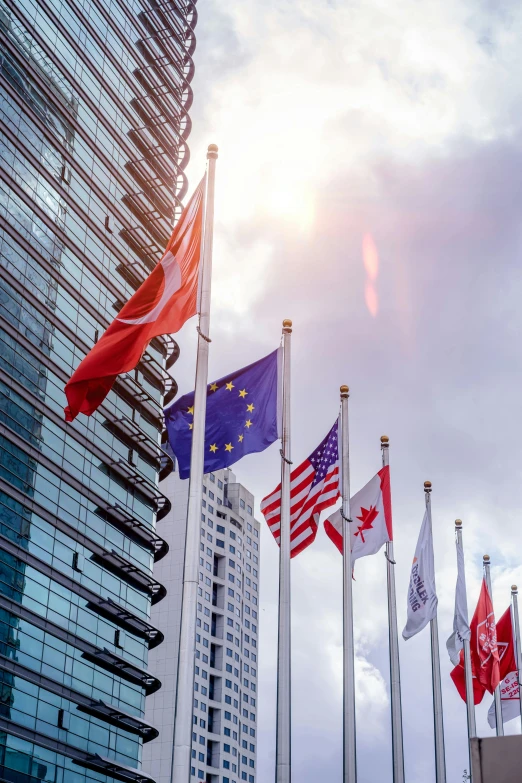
(161, 305)
(505, 652)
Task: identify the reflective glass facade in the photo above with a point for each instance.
(94, 101)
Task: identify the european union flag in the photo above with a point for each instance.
(242, 416)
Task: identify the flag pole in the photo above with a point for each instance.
(349, 746)
(516, 623)
(284, 691)
(496, 694)
(468, 674)
(181, 749)
(440, 757)
(395, 675)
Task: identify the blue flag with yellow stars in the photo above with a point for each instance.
(242, 416)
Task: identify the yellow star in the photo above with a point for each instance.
(240, 439)
(190, 425)
(229, 386)
(191, 410)
(243, 393)
(250, 407)
(228, 447)
(213, 387)
(213, 448)
(248, 423)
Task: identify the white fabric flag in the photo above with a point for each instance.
(509, 700)
(422, 596)
(461, 630)
(370, 509)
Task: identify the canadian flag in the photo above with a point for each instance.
(161, 305)
(492, 650)
(371, 525)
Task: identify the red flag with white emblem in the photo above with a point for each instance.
(161, 305)
(492, 650)
(370, 510)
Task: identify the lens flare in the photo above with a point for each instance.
(371, 265)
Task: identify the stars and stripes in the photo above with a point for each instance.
(314, 486)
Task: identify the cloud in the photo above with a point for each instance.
(335, 120)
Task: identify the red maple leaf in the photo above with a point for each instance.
(368, 516)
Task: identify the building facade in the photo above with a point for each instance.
(224, 738)
(94, 96)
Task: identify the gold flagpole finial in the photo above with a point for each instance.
(344, 390)
(287, 325)
(212, 151)
(427, 486)
(514, 589)
(486, 558)
(458, 523)
(384, 439)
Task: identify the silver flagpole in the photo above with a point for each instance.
(496, 695)
(516, 623)
(395, 674)
(349, 746)
(440, 757)
(470, 701)
(284, 690)
(187, 640)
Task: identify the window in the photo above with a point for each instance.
(204, 674)
(204, 490)
(209, 537)
(210, 509)
(209, 552)
(227, 732)
(210, 523)
(229, 652)
(201, 756)
(220, 484)
(249, 541)
(231, 591)
(230, 622)
(256, 533)
(256, 546)
(220, 529)
(220, 542)
(247, 623)
(231, 578)
(232, 563)
(204, 503)
(193, 754)
(253, 704)
(249, 527)
(255, 573)
(228, 715)
(228, 683)
(201, 774)
(254, 628)
(232, 535)
(254, 614)
(230, 607)
(249, 509)
(255, 559)
(242, 503)
(211, 495)
(245, 715)
(232, 549)
(208, 581)
(230, 638)
(252, 717)
(226, 764)
(193, 770)
(208, 566)
(229, 668)
(228, 699)
(247, 609)
(212, 478)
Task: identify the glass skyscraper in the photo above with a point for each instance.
(94, 101)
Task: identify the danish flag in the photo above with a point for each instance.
(161, 305)
(314, 486)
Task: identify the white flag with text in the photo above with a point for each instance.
(422, 596)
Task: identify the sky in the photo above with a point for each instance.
(369, 188)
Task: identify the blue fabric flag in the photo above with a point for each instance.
(242, 416)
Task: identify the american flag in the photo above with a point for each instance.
(314, 486)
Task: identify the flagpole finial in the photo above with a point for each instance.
(427, 486)
(287, 325)
(212, 151)
(458, 523)
(344, 391)
(514, 589)
(385, 440)
(486, 558)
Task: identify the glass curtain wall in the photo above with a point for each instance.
(94, 102)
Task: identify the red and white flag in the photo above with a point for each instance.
(314, 486)
(371, 514)
(492, 650)
(161, 305)
(509, 700)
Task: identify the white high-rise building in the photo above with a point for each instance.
(224, 738)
